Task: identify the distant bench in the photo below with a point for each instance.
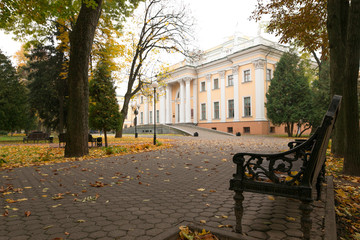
(97, 141)
(294, 173)
(38, 136)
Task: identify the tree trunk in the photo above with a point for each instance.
(336, 25)
(119, 131)
(81, 39)
(344, 39)
(105, 136)
(123, 114)
(352, 141)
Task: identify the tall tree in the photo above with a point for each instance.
(47, 89)
(14, 108)
(25, 17)
(291, 17)
(288, 96)
(339, 21)
(344, 37)
(104, 110)
(162, 27)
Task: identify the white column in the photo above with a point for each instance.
(208, 89)
(235, 72)
(188, 99)
(222, 97)
(182, 101)
(259, 90)
(168, 104)
(162, 105)
(195, 100)
(146, 111)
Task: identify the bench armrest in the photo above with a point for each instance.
(276, 168)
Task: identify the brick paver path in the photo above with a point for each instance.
(142, 195)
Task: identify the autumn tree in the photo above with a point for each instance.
(163, 27)
(27, 18)
(104, 110)
(288, 94)
(333, 28)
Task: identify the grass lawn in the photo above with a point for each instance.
(5, 138)
(28, 154)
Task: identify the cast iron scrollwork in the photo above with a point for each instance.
(284, 168)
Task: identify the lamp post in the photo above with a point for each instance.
(155, 85)
(135, 106)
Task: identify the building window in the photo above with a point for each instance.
(216, 83)
(272, 129)
(151, 116)
(268, 74)
(230, 130)
(230, 80)
(202, 87)
(203, 111)
(213, 128)
(216, 110)
(247, 76)
(142, 99)
(231, 108)
(247, 107)
(246, 129)
(157, 116)
(142, 118)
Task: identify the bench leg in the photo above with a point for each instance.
(239, 210)
(319, 181)
(306, 222)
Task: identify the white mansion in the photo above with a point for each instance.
(224, 89)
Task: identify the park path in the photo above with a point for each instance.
(139, 196)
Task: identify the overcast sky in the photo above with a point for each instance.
(215, 19)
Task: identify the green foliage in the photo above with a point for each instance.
(158, 143)
(320, 94)
(104, 109)
(289, 98)
(14, 109)
(33, 18)
(45, 85)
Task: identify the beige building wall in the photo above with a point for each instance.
(192, 84)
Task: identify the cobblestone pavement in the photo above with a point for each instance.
(141, 195)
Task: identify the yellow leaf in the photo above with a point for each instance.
(201, 189)
(290, 219)
(271, 198)
(202, 221)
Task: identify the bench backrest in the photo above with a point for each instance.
(38, 135)
(318, 153)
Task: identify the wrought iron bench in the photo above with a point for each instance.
(38, 136)
(91, 139)
(276, 174)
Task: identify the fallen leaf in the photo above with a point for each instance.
(271, 198)
(290, 219)
(81, 221)
(6, 213)
(225, 226)
(202, 221)
(27, 213)
(47, 227)
(201, 189)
